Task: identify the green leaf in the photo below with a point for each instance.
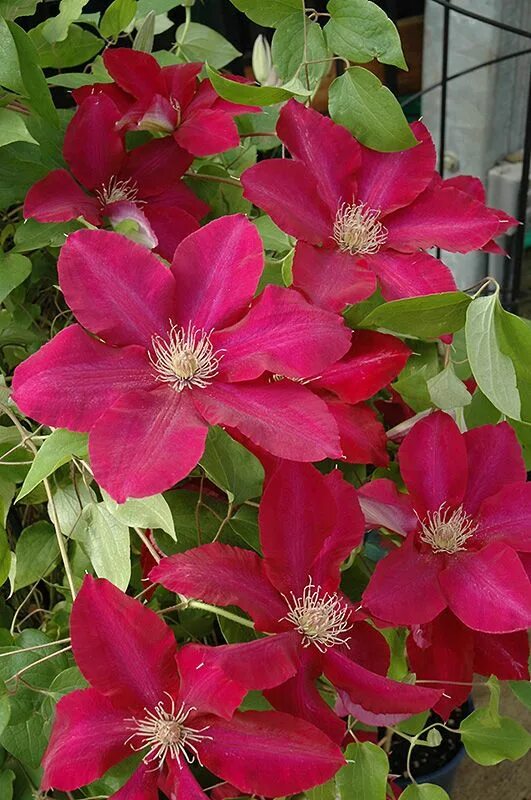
(11, 9)
(481, 411)
(245, 93)
(145, 512)
(33, 235)
(295, 36)
(56, 450)
(27, 740)
(514, 337)
(204, 44)
(423, 791)
(493, 369)
(426, 317)
(522, 689)
(365, 774)
(117, 17)
(327, 791)
(269, 13)
(7, 778)
(222, 198)
(69, 502)
(79, 46)
(37, 553)
(106, 542)
(488, 743)
(33, 78)
(14, 269)
(232, 467)
(146, 34)
(360, 31)
(56, 28)
(67, 681)
(359, 102)
(5, 557)
(447, 391)
(13, 128)
(74, 80)
(10, 76)
(272, 237)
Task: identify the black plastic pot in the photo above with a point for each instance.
(443, 776)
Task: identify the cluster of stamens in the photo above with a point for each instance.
(357, 229)
(165, 733)
(174, 103)
(276, 378)
(185, 357)
(447, 531)
(321, 619)
(116, 190)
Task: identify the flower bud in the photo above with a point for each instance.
(262, 63)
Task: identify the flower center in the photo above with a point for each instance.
(357, 229)
(174, 103)
(165, 732)
(116, 190)
(185, 357)
(447, 531)
(322, 619)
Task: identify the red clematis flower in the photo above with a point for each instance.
(169, 100)
(446, 650)
(309, 524)
(142, 185)
(473, 510)
(179, 350)
(147, 696)
(362, 215)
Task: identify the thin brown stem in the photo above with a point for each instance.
(216, 178)
(145, 540)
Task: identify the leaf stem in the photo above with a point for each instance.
(213, 610)
(216, 178)
(187, 21)
(39, 661)
(34, 647)
(145, 540)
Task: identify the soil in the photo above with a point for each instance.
(426, 760)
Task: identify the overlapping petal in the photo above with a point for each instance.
(206, 132)
(123, 649)
(506, 517)
(146, 442)
(409, 274)
(217, 270)
(384, 506)
(361, 433)
(58, 198)
(282, 334)
(74, 378)
(204, 686)
(494, 458)
(117, 289)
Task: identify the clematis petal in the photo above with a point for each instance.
(134, 71)
(170, 226)
(376, 693)
(121, 99)
(299, 696)
(404, 588)
(345, 536)
(284, 418)
(494, 460)
(444, 652)
(142, 785)
(73, 379)
(270, 753)
(328, 150)
(223, 575)
(129, 446)
(58, 198)
(488, 590)
(180, 82)
(286, 191)
(155, 166)
(282, 334)
(442, 217)
(257, 664)
(388, 181)
(297, 512)
(410, 274)
(329, 278)
(179, 783)
(373, 360)
(116, 288)
(506, 517)
(122, 648)
(181, 196)
(204, 686)
(156, 115)
(361, 434)
(505, 655)
(384, 506)
(433, 462)
(207, 132)
(217, 270)
(367, 647)
(93, 147)
(88, 738)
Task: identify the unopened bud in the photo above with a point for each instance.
(262, 62)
